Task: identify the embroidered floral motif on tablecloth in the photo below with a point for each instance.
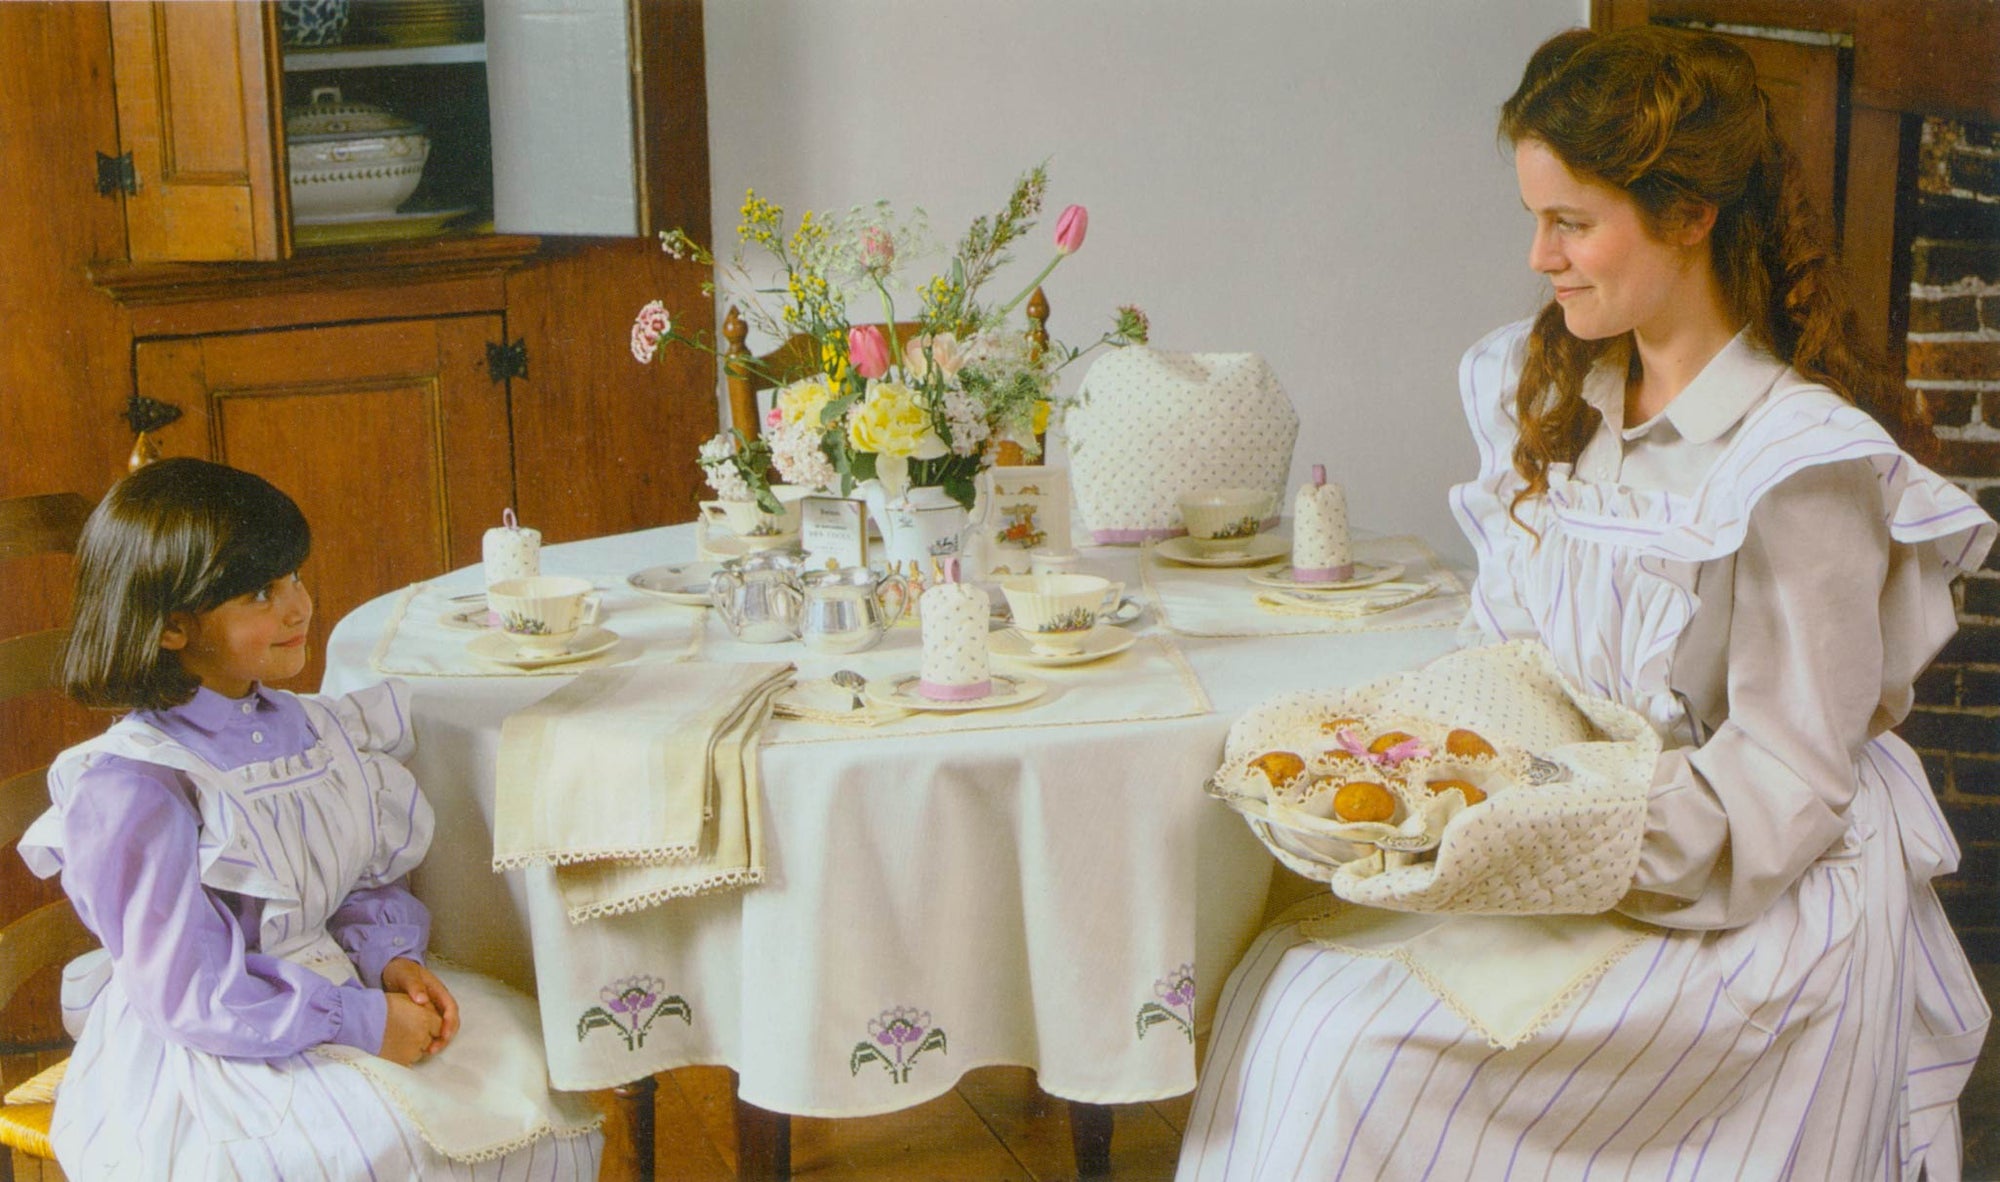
(895, 1039)
(631, 1006)
(1176, 1003)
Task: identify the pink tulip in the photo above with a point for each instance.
(1070, 229)
(868, 351)
(774, 418)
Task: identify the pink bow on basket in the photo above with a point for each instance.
(1351, 743)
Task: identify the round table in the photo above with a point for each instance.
(1035, 895)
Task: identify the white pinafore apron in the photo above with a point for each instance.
(301, 833)
(1829, 1038)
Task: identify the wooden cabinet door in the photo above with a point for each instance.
(391, 437)
(194, 82)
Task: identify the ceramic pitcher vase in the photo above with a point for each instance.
(922, 524)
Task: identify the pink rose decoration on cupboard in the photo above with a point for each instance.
(1070, 229)
(648, 328)
(868, 350)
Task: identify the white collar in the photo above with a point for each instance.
(1733, 381)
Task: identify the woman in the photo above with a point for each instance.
(1687, 493)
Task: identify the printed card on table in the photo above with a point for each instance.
(833, 532)
(1029, 511)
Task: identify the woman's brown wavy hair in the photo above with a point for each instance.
(1675, 120)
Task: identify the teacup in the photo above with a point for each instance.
(1221, 521)
(1055, 613)
(542, 614)
(749, 521)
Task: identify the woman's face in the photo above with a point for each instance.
(1610, 275)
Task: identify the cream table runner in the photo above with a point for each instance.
(638, 784)
(418, 642)
(1150, 680)
(1222, 601)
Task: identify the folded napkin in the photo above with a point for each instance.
(820, 700)
(1343, 605)
(638, 784)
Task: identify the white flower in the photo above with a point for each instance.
(796, 454)
(967, 420)
(718, 463)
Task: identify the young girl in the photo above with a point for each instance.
(1687, 494)
(261, 1007)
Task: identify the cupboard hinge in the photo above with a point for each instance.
(116, 175)
(507, 361)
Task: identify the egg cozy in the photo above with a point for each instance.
(1563, 808)
(1150, 426)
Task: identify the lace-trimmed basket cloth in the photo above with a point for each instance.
(1565, 809)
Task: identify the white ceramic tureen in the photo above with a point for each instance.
(350, 161)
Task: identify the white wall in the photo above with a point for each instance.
(1314, 180)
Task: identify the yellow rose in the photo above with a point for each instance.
(891, 422)
(804, 400)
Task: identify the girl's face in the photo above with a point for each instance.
(259, 636)
(1611, 275)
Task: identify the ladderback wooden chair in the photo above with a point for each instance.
(50, 934)
(748, 375)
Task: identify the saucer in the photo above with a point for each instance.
(1100, 642)
(1009, 689)
(1261, 548)
(1366, 574)
(503, 649)
(685, 583)
(735, 546)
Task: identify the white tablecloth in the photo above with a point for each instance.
(938, 902)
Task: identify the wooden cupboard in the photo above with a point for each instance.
(406, 391)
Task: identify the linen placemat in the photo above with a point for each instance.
(1222, 601)
(637, 783)
(1150, 680)
(419, 642)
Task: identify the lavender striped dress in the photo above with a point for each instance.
(300, 833)
(1824, 1034)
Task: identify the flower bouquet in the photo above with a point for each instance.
(917, 404)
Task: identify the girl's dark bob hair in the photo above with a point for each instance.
(179, 535)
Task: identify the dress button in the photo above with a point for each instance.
(256, 736)
(249, 707)
(397, 941)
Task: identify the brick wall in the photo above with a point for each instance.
(1954, 365)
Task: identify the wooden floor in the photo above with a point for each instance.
(996, 1126)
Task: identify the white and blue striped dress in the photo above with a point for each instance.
(1808, 1014)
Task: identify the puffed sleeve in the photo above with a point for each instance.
(373, 725)
(1732, 823)
(378, 924)
(131, 867)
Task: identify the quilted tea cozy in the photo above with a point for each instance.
(1483, 783)
(1150, 426)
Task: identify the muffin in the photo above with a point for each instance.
(1279, 767)
(1467, 744)
(1364, 800)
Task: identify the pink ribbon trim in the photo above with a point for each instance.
(954, 693)
(1323, 574)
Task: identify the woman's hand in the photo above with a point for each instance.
(411, 1031)
(405, 976)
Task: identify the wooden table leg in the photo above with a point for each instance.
(635, 1103)
(1090, 1138)
(763, 1144)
